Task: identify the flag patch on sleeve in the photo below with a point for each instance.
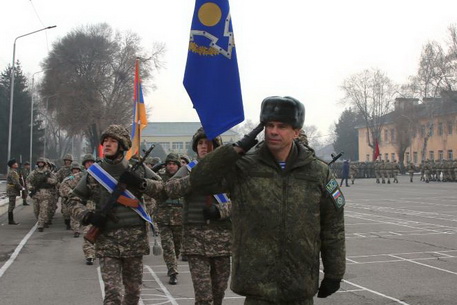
(335, 193)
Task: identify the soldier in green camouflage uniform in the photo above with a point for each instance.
(123, 240)
(287, 210)
(207, 229)
(395, 171)
(377, 170)
(353, 171)
(168, 215)
(40, 182)
(24, 172)
(66, 186)
(13, 189)
(411, 169)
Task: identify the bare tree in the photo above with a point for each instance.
(371, 94)
(90, 75)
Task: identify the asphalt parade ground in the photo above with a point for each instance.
(401, 249)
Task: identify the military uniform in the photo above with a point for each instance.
(411, 169)
(40, 182)
(206, 243)
(123, 240)
(66, 186)
(353, 171)
(13, 189)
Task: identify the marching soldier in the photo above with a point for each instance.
(377, 170)
(411, 169)
(65, 188)
(207, 230)
(13, 189)
(168, 216)
(24, 173)
(123, 240)
(40, 182)
(287, 210)
(395, 170)
(353, 171)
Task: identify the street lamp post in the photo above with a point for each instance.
(12, 85)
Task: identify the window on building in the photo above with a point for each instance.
(440, 155)
(386, 156)
(392, 135)
(386, 135)
(423, 131)
(450, 155)
(440, 129)
(431, 155)
(392, 156)
(415, 157)
(188, 146)
(408, 157)
(432, 131)
(177, 146)
(449, 127)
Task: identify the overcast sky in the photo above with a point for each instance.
(304, 49)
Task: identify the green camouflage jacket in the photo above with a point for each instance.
(13, 187)
(282, 220)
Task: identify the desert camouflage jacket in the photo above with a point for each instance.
(282, 220)
(168, 211)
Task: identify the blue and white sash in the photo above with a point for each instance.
(221, 198)
(105, 179)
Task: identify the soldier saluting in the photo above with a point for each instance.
(287, 210)
(123, 240)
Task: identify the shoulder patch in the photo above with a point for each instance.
(331, 186)
(335, 193)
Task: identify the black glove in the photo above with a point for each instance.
(211, 213)
(96, 219)
(328, 287)
(249, 140)
(131, 179)
(158, 167)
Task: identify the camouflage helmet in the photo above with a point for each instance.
(173, 157)
(75, 165)
(185, 158)
(119, 133)
(155, 160)
(149, 161)
(26, 163)
(200, 134)
(87, 157)
(42, 160)
(68, 157)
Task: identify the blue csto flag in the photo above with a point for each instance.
(211, 78)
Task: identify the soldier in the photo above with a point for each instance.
(24, 172)
(52, 205)
(65, 170)
(353, 171)
(184, 160)
(427, 171)
(454, 170)
(65, 188)
(395, 171)
(377, 170)
(285, 200)
(411, 169)
(13, 189)
(40, 182)
(168, 216)
(123, 239)
(207, 228)
(345, 173)
(422, 170)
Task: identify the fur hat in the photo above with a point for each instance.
(283, 109)
(11, 162)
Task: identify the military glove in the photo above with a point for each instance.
(328, 287)
(94, 218)
(131, 179)
(158, 167)
(249, 140)
(211, 213)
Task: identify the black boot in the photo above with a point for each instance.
(24, 202)
(67, 224)
(11, 219)
(173, 279)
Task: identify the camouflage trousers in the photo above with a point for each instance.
(126, 271)
(254, 301)
(40, 209)
(88, 248)
(11, 203)
(52, 206)
(171, 239)
(65, 210)
(210, 278)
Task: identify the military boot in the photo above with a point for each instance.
(24, 202)
(173, 279)
(67, 224)
(11, 219)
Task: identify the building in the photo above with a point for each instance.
(177, 136)
(426, 130)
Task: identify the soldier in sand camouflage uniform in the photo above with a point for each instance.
(427, 171)
(287, 210)
(123, 240)
(24, 172)
(207, 229)
(353, 171)
(168, 215)
(66, 186)
(395, 171)
(13, 189)
(411, 169)
(377, 170)
(40, 182)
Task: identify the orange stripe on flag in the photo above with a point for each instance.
(133, 203)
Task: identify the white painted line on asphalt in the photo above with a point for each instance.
(17, 250)
(377, 293)
(162, 286)
(425, 265)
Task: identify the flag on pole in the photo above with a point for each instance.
(376, 151)
(211, 77)
(140, 120)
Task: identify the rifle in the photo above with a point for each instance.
(93, 233)
(334, 158)
(41, 183)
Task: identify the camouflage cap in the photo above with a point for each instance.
(87, 157)
(173, 157)
(200, 134)
(185, 158)
(68, 157)
(149, 161)
(283, 109)
(75, 165)
(119, 133)
(41, 159)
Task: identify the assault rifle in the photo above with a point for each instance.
(41, 183)
(93, 233)
(334, 158)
